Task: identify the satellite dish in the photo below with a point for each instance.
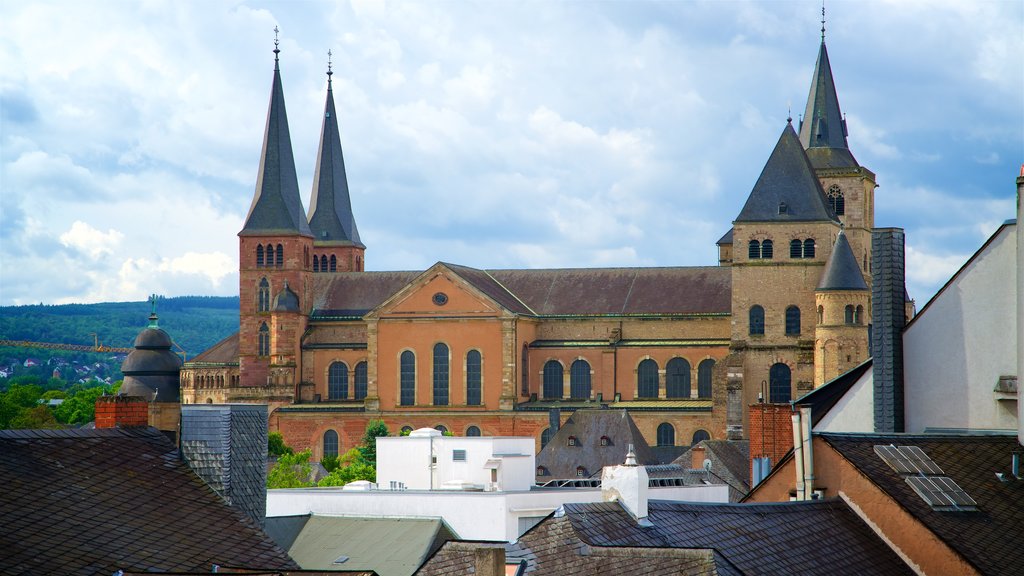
(707, 465)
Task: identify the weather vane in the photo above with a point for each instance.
(276, 42)
(822, 20)
(329, 73)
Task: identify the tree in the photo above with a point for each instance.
(36, 418)
(276, 445)
(351, 473)
(291, 471)
(374, 429)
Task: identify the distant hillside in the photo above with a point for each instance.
(194, 322)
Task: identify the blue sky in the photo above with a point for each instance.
(489, 134)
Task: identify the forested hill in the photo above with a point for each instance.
(194, 322)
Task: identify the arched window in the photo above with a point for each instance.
(441, 428)
(754, 250)
(779, 387)
(263, 296)
(263, 341)
(407, 378)
(553, 379)
(323, 263)
(821, 315)
(809, 248)
(579, 380)
(677, 378)
(316, 264)
(473, 378)
(647, 379)
(545, 437)
(330, 443)
(337, 381)
(406, 430)
(334, 263)
(836, 199)
(704, 372)
(270, 255)
(666, 434)
(472, 431)
(440, 374)
(756, 320)
(700, 436)
(280, 256)
(796, 249)
(360, 380)
(766, 249)
(792, 321)
(259, 256)
(849, 313)
(858, 315)
(525, 370)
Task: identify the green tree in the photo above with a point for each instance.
(19, 398)
(80, 406)
(38, 417)
(368, 447)
(291, 471)
(330, 463)
(276, 445)
(345, 474)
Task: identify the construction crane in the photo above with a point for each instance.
(96, 347)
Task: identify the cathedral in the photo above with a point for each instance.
(686, 350)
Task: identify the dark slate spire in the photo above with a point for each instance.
(823, 128)
(787, 190)
(842, 271)
(330, 209)
(276, 206)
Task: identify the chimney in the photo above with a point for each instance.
(489, 561)
(226, 446)
(697, 457)
(627, 484)
(1020, 304)
(888, 317)
(771, 437)
(554, 420)
(121, 411)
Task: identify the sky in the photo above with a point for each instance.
(489, 134)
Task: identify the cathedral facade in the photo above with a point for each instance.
(330, 346)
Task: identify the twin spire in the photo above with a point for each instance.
(276, 206)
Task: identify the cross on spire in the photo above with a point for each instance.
(276, 49)
(329, 73)
(822, 20)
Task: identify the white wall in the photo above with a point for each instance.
(408, 459)
(472, 515)
(962, 342)
(855, 411)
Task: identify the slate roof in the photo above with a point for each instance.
(814, 537)
(726, 238)
(330, 207)
(588, 426)
(787, 178)
(356, 293)
(823, 128)
(223, 352)
(989, 539)
(730, 465)
(842, 271)
(95, 501)
(388, 546)
(824, 397)
(276, 206)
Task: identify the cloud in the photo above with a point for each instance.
(91, 241)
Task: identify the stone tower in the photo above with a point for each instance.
(843, 299)
(275, 252)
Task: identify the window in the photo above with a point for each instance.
(581, 471)
(647, 379)
(666, 434)
(263, 296)
(458, 455)
(545, 437)
(821, 315)
(858, 315)
(792, 321)
(809, 248)
(779, 388)
(407, 378)
(766, 249)
(836, 199)
(849, 313)
(406, 430)
(259, 256)
(677, 378)
(440, 374)
(605, 441)
(524, 367)
(756, 320)
(473, 378)
(323, 263)
(270, 255)
(316, 264)
(263, 341)
(360, 378)
(280, 256)
(796, 249)
(704, 372)
(472, 431)
(579, 380)
(553, 379)
(330, 443)
(754, 250)
(337, 381)
(541, 471)
(441, 428)
(700, 436)
(334, 263)
(571, 441)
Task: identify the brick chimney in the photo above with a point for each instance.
(771, 435)
(697, 455)
(121, 411)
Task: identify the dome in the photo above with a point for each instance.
(143, 361)
(153, 338)
(152, 371)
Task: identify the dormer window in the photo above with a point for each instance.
(605, 441)
(581, 471)
(541, 471)
(783, 208)
(571, 441)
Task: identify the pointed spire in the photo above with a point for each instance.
(787, 189)
(330, 207)
(823, 127)
(276, 206)
(841, 271)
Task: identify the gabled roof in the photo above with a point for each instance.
(353, 294)
(842, 271)
(223, 352)
(587, 427)
(95, 501)
(388, 546)
(730, 465)
(823, 128)
(985, 538)
(276, 207)
(787, 189)
(330, 207)
(824, 397)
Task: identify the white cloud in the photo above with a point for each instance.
(91, 241)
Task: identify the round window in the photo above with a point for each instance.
(440, 299)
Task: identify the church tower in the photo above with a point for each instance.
(275, 251)
(336, 245)
(842, 298)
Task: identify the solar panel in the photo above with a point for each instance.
(925, 465)
(895, 459)
(941, 493)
